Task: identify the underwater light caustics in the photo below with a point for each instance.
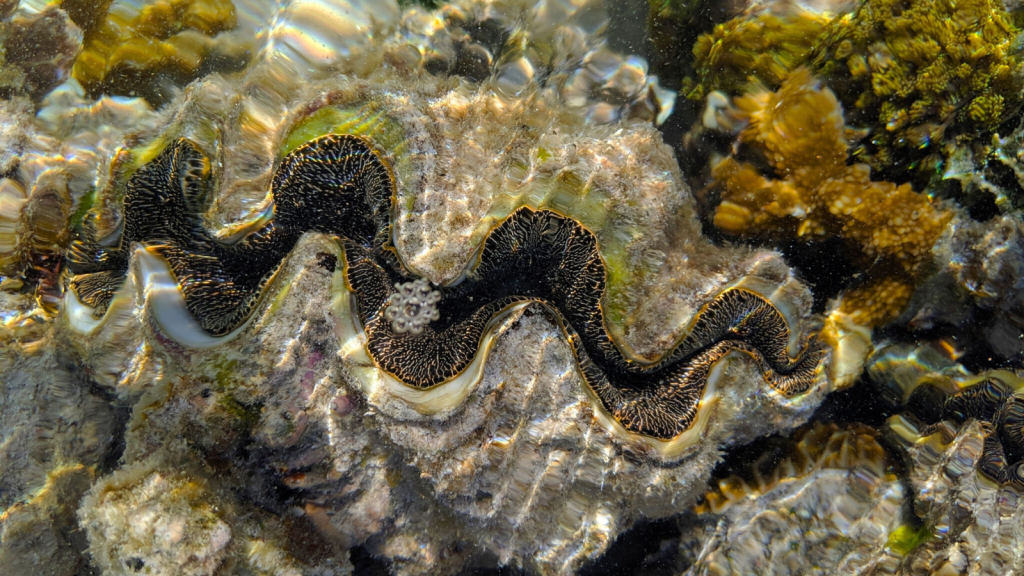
(340, 185)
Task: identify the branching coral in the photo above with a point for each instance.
(800, 131)
(126, 46)
(920, 72)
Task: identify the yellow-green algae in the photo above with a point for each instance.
(907, 538)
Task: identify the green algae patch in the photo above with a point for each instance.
(247, 414)
(907, 538)
(224, 370)
(367, 120)
(85, 204)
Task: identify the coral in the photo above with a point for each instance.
(54, 163)
(164, 523)
(987, 174)
(966, 478)
(180, 521)
(800, 131)
(131, 50)
(763, 48)
(561, 45)
(57, 431)
(986, 260)
(70, 425)
(926, 76)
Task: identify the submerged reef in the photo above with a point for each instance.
(315, 287)
(800, 132)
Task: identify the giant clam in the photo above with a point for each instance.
(502, 406)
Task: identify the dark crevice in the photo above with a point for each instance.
(366, 564)
(649, 548)
(827, 267)
(860, 403)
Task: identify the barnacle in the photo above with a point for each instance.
(817, 195)
(341, 185)
(951, 72)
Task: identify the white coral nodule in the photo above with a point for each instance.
(412, 307)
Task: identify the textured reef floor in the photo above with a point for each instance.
(320, 287)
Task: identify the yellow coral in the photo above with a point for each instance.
(921, 67)
(126, 45)
(801, 132)
(764, 47)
